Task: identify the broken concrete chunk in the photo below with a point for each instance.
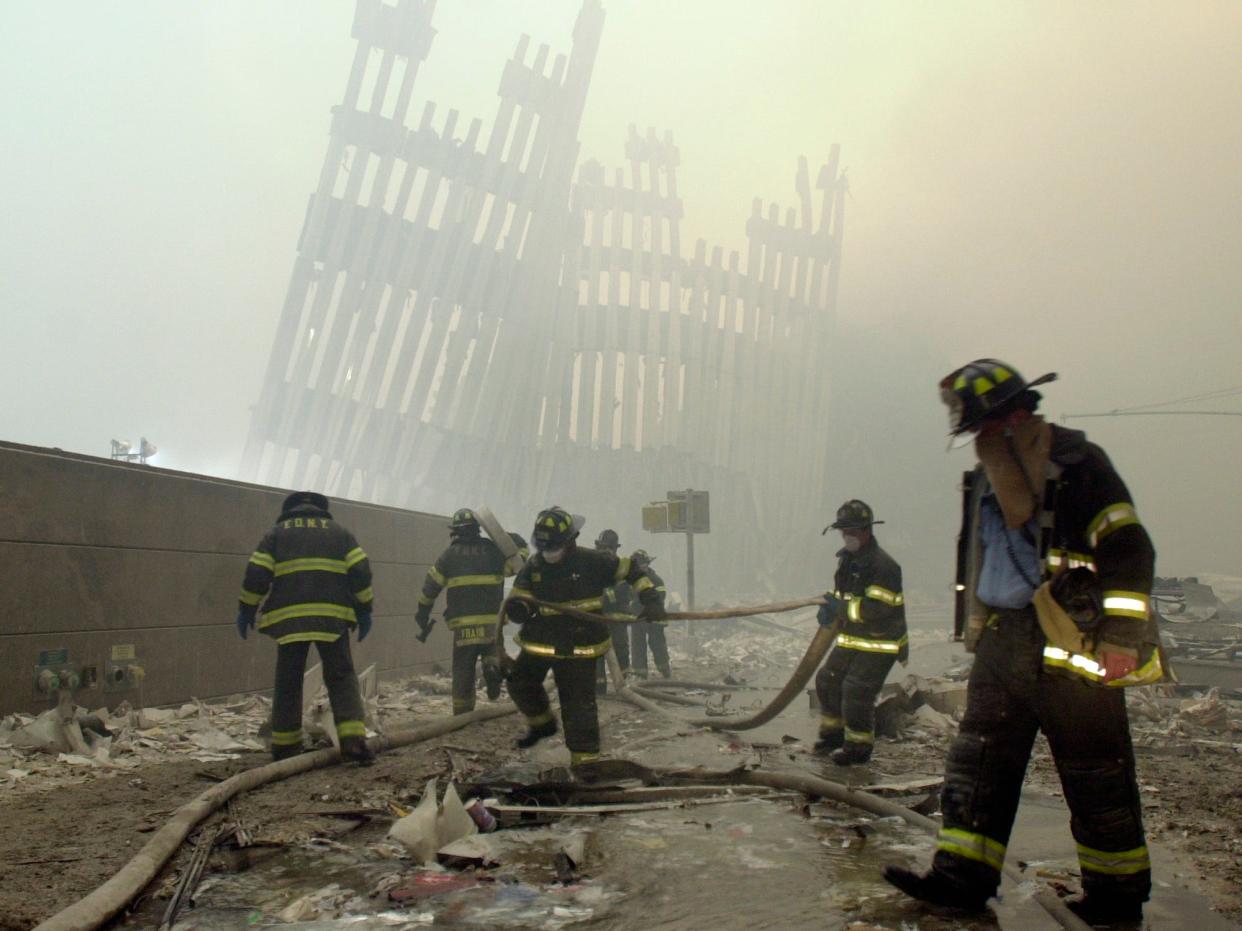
(930, 717)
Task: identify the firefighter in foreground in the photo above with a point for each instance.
(317, 584)
(646, 633)
(566, 575)
(868, 603)
(616, 604)
(472, 568)
(1054, 575)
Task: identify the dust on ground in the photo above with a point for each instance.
(69, 828)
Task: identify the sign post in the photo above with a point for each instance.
(685, 512)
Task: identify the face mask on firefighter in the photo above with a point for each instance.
(553, 556)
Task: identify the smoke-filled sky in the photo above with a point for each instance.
(1053, 183)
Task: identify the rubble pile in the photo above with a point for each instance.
(55, 748)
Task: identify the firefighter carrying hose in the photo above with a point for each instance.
(1055, 574)
(565, 574)
(472, 568)
(317, 584)
(868, 603)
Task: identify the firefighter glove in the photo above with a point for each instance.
(519, 611)
(828, 611)
(424, 628)
(245, 621)
(364, 623)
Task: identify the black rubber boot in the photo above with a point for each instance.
(355, 750)
(852, 755)
(492, 681)
(936, 889)
(666, 672)
(833, 740)
(535, 734)
(1107, 912)
(285, 752)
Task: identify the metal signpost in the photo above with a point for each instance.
(685, 512)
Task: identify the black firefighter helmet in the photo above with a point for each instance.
(464, 523)
(986, 388)
(853, 515)
(299, 498)
(554, 528)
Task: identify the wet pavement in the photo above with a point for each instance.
(749, 863)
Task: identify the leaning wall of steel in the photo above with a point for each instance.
(467, 321)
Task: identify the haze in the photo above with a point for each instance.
(1055, 184)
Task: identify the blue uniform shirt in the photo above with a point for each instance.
(1001, 585)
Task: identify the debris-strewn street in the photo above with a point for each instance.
(322, 847)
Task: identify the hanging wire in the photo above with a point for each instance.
(1206, 396)
(1153, 409)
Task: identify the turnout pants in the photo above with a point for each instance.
(1009, 699)
(575, 684)
(847, 685)
(339, 678)
(466, 657)
(649, 633)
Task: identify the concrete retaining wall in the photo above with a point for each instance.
(109, 560)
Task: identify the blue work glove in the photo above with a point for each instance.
(245, 621)
(828, 611)
(364, 623)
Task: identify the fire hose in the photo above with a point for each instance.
(110, 899)
(814, 655)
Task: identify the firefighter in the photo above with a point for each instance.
(317, 583)
(566, 575)
(1043, 501)
(472, 568)
(868, 603)
(645, 633)
(616, 603)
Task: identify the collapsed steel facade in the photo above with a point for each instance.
(466, 322)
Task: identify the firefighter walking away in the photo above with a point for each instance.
(472, 569)
(314, 584)
(868, 604)
(1055, 574)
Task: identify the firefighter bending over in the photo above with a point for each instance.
(868, 603)
(1055, 574)
(317, 584)
(566, 575)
